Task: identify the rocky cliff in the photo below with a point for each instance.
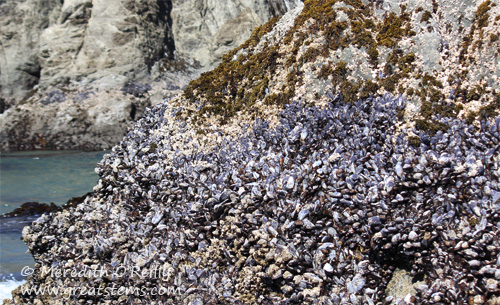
(347, 153)
(54, 55)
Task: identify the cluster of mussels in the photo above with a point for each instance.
(322, 208)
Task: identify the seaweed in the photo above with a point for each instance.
(369, 89)
(311, 54)
(325, 71)
(340, 72)
(481, 16)
(373, 56)
(431, 80)
(431, 126)
(220, 87)
(392, 30)
(414, 141)
(426, 16)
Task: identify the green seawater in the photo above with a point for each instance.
(45, 177)
(53, 176)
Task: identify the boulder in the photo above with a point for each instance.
(330, 159)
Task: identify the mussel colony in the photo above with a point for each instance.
(321, 209)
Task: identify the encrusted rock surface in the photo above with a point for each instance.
(442, 56)
(321, 208)
(205, 30)
(285, 176)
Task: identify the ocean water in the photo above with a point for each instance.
(7, 286)
(36, 176)
(45, 177)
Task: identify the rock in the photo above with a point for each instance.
(21, 25)
(137, 90)
(101, 119)
(75, 47)
(73, 202)
(205, 31)
(402, 284)
(389, 53)
(32, 208)
(210, 185)
(37, 208)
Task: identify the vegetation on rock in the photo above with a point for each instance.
(321, 36)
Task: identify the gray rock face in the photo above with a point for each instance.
(60, 120)
(44, 41)
(100, 45)
(83, 38)
(205, 30)
(21, 24)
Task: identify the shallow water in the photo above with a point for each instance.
(36, 176)
(13, 255)
(45, 177)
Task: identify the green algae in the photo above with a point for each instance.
(430, 126)
(389, 83)
(217, 90)
(311, 54)
(431, 80)
(480, 21)
(325, 71)
(221, 87)
(473, 94)
(435, 6)
(373, 55)
(481, 16)
(491, 110)
(369, 89)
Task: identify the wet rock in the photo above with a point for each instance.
(32, 208)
